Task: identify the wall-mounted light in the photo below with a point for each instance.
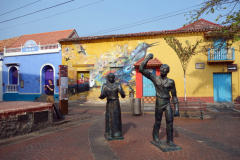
(22, 84)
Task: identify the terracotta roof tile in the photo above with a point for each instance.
(201, 24)
(151, 62)
(7, 43)
(198, 26)
(43, 38)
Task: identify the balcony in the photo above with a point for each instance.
(11, 88)
(221, 55)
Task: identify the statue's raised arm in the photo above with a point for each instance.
(143, 70)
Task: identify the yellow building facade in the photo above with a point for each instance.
(90, 59)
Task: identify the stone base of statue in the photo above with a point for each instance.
(113, 138)
(165, 147)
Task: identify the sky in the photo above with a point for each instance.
(94, 17)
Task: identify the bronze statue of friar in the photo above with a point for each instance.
(113, 121)
(163, 86)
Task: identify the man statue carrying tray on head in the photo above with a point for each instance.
(163, 86)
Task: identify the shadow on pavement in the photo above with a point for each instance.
(127, 126)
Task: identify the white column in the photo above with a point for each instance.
(1, 81)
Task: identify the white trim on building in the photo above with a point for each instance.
(1, 81)
(9, 75)
(43, 49)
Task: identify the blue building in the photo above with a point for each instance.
(30, 62)
(3, 44)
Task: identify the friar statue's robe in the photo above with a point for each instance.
(113, 121)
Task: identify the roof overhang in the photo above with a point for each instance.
(220, 61)
(12, 64)
(151, 63)
(219, 34)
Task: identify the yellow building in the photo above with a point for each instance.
(210, 76)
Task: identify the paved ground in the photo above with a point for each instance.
(82, 138)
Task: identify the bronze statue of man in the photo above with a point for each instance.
(163, 86)
(113, 122)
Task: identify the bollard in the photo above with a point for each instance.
(201, 109)
(143, 105)
(201, 115)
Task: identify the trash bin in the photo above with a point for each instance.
(131, 97)
(136, 106)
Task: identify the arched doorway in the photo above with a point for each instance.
(47, 73)
(13, 75)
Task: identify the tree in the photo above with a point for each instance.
(184, 54)
(230, 21)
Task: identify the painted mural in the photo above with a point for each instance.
(119, 60)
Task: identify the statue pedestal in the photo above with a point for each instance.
(165, 147)
(113, 138)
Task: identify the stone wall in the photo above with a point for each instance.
(12, 125)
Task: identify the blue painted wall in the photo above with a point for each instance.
(29, 71)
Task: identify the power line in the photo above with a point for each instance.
(37, 11)
(139, 22)
(53, 15)
(20, 8)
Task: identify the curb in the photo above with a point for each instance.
(61, 122)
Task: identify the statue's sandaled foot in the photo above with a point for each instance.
(118, 134)
(108, 136)
(111, 137)
(171, 144)
(156, 140)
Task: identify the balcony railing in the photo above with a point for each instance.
(41, 48)
(51, 46)
(12, 50)
(221, 54)
(11, 88)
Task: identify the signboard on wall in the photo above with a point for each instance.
(232, 67)
(63, 82)
(63, 89)
(199, 66)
